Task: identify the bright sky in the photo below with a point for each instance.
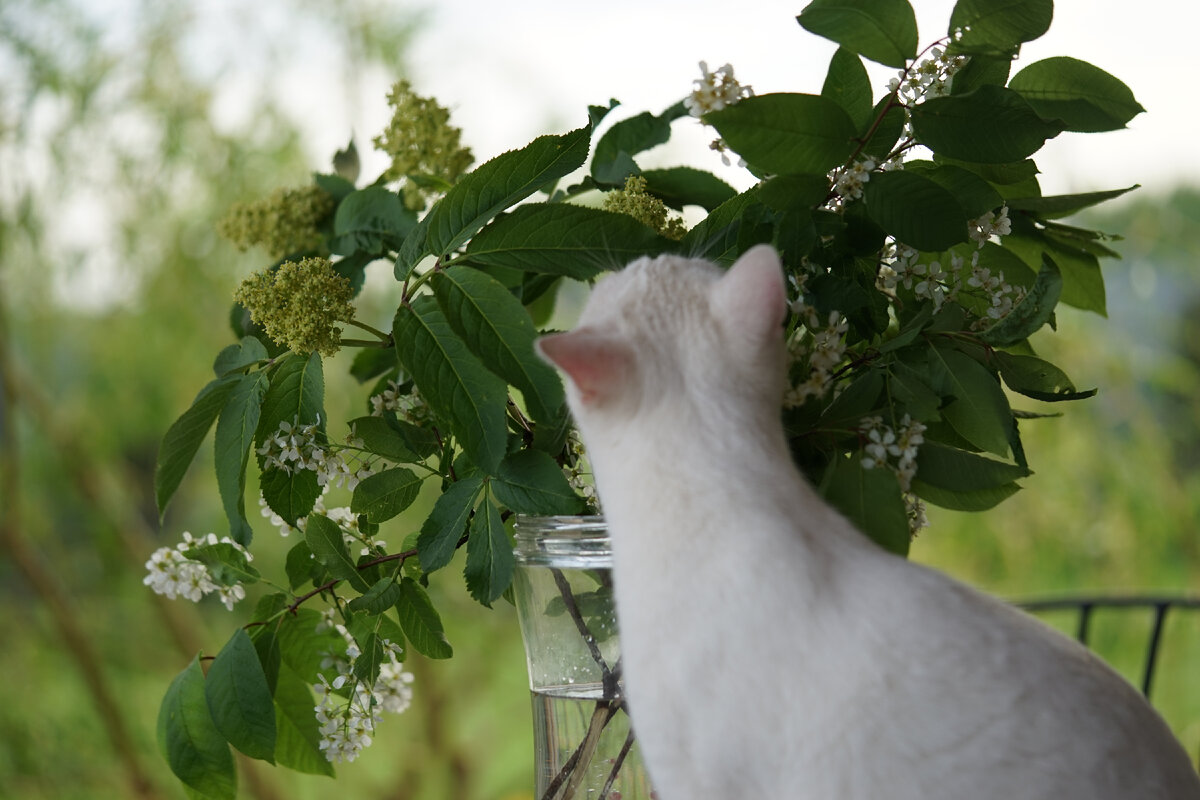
(516, 69)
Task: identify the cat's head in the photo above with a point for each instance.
(669, 331)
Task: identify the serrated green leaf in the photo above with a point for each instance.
(226, 564)
(564, 239)
(990, 125)
(461, 391)
(420, 621)
(325, 539)
(236, 426)
(979, 70)
(881, 138)
(683, 186)
(298, 737)
(715, 237)
(916, 210)
(184, 437)
(385, 494)
(497, 328)
(382, 437)
(973, 193)
(369, 660)
(783, 134)
(530, 482)
(1084, 97)
(305, 642)
(447, 522)
(998, 26)
(382, 595)
(296, 394)
(291, 495)
(372, 220)
(1033, 377)
(613, 154)
(413, 249)
(884, 31)
(489, 556)
(848, 85)
(977, 500)
(239, 698)
(248, 350)
(300, 565)
(871, 499)
(978, 410)
(189, 740)
(960, 471)
(499, 183)
(1059, 206)
(1034, 310)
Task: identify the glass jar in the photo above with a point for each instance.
(583, 744)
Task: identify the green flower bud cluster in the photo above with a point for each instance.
(425, 148)
(298, 304)
(647, 209)
(285, 222)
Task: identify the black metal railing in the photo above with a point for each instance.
(1084, 606)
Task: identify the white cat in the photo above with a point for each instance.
(770, 650)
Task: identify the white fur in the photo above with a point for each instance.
(770, 650)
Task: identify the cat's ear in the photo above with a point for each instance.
(595, 362)
(752, 296)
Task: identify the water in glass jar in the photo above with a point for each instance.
(588, 752)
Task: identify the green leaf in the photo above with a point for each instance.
(612, 158)
(300, 566)
(915, 209)
(413, 249)
(183, 438)
(978, 409)
(564, 239)
(234, 438)
(715, 237)
(385, 494)
(1084, 97)
(324, 538)
(248, 350)
(382, 595)
(530, 482)
(189, 740)
(973, 193)
(871, 499)
(999, 26)
(990, 125)
(848, 85)
(981, 69)
(371, 655)
(298, 737)
(956, 479)
(382, 436)
(446, 522)
(291, 495)
(305, 641)
(881, 30)
(1058, 206)
(494, 186)
(1034, 310)
(420, 621)
(684, 186)
(882, 137)
(489, 556)
(497, 328)
(1033, 377)
(460, 390)
(239, 698)
(372, 220)
(227, 565)
(784, 134)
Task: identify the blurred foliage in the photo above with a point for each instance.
(113, 171)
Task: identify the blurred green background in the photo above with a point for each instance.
(116, 158)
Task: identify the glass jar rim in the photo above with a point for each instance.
(541, 540)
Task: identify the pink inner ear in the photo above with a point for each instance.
(595, 363)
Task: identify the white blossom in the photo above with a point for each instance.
(171, 573)
(715, 90)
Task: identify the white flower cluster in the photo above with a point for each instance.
(172, 573)
(884, 444)
(410, 406)
(346, 519)
(937, 283)
(294, 447)
(822, 343)
(715, 90)
(931, 78)
(347, 719)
